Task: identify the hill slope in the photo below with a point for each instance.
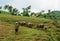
(7, 23)
(4, 12)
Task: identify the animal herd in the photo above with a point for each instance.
(29, 24)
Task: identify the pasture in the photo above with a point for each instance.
(7, 33)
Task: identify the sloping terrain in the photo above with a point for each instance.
(7, 33)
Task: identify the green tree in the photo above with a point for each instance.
(39, 14)
(6, 6)
(26, 11)
(32, 14)
(49, 14)
(0, 8)
(10, 9)
(15, 11)
(49, 11)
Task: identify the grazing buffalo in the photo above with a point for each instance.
(22, 23)
(29, 24)
(45, 28)
(40, 26)
(50, 22)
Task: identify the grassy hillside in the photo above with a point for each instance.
(7, 23)
(4, 12)
(54, 15)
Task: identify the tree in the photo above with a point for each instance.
(49, 11)
(39, 14)
(42, 11)
(26, 11)
(0, 7)
(10, 9)
(15, 11)
(6, 6)
(29, 7)
(32, 14)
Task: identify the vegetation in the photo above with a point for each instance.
(11, 10)
(55, 15)
(7, 23)
(26, 11)
(12, 15)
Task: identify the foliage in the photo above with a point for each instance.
(26, 11)
(51, 15)
(0, 7)
(55, 15)
(12, 10)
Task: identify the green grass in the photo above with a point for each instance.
(7, 33)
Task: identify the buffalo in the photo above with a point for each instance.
(45, 28)
(29, 24)
(40, 26)
(22, 23)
